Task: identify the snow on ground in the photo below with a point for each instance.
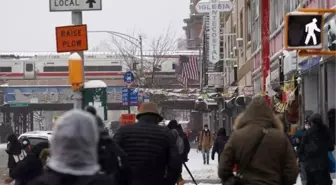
(198, 169)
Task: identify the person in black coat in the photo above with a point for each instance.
(219, 144)
(151, 149)
(14, 150)
(30, 167)
(315, 145)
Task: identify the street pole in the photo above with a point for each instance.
(129, 99)
(77, 19)
(265, 45)
(141, 55)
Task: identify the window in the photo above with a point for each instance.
(5, 69)
(249, 23)
(241, 32)
(174, 66)
(86, 68)
(29, 67)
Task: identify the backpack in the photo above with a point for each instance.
(179, 142)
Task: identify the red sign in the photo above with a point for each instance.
(71, 38)
(127, 119)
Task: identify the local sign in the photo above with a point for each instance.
(214, 7)
(74, 5)
(71, 38)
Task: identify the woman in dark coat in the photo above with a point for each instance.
(219, 144)
(14, 149)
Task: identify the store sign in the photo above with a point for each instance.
(248, 90)
(214, 32)
(127, 119)
(216, 79)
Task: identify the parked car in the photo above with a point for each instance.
(36, 137)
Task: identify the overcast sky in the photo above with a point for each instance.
(27, 25)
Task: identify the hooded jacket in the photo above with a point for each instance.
(220, 141)
(14, 149)
(315, 145)
(74, 152)
(273, 162)
(31, 166)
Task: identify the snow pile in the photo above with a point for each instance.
(198, 169)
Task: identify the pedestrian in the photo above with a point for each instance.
(73, 149)
(296, 141)
(151, 149)
(219, 144)
(112, 159)
(205, 141)
(26, 144)
(316, 143)
(260, 148)
(30, 167)
(182, 144)
(15, 153)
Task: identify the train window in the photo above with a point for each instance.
(5, 69)
(103, 68)
(55, 69)
(29, 67)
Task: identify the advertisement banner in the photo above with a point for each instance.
(215, 79)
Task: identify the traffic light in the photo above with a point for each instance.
(303, 31)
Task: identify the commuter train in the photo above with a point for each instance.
(100, 65)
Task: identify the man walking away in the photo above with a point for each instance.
(74, 156)
(205, 143)
(315, 145)
(151, 149)
(112, 159)
(182, 143)
(219, 144)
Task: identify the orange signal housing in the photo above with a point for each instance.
(76, 76)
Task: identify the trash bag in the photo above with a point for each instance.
(332, 162)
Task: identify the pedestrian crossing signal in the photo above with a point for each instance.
(303, 31)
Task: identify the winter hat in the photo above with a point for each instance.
(172, 124)
(91, 110)
(149, 108)
(74, 143)
(100, 122)
(316, 119)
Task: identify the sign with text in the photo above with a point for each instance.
(248, 90)
(127, 119)
(303, 31)
(216, 79)
(74, 5)
(71, 38)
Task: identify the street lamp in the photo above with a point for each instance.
(128, 38)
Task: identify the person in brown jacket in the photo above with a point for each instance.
(273, 161)
(205, 142)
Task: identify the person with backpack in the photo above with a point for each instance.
(205, 141)
(112, 159)
(182, 144)
(73, 152)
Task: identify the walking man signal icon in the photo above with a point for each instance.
(311, 28)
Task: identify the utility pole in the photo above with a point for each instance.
(77, 19)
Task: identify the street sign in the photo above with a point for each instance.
(213, 8)
(127, 119)
(303, 31)
(223, 6)
(19, 104)
(74, 5)
(71, 38)
(248, 90)
(129, 77)
(133, 96)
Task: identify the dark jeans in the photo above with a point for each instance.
(206, 156)
(303, 174)
(319, 178)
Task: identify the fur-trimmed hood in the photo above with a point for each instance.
(258, 112)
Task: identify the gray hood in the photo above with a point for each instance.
(74, 143)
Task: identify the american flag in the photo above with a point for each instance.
(188, 69)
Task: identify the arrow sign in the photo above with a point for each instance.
(90, 2)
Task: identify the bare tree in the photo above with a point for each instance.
(158, 48)
(38, 118)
